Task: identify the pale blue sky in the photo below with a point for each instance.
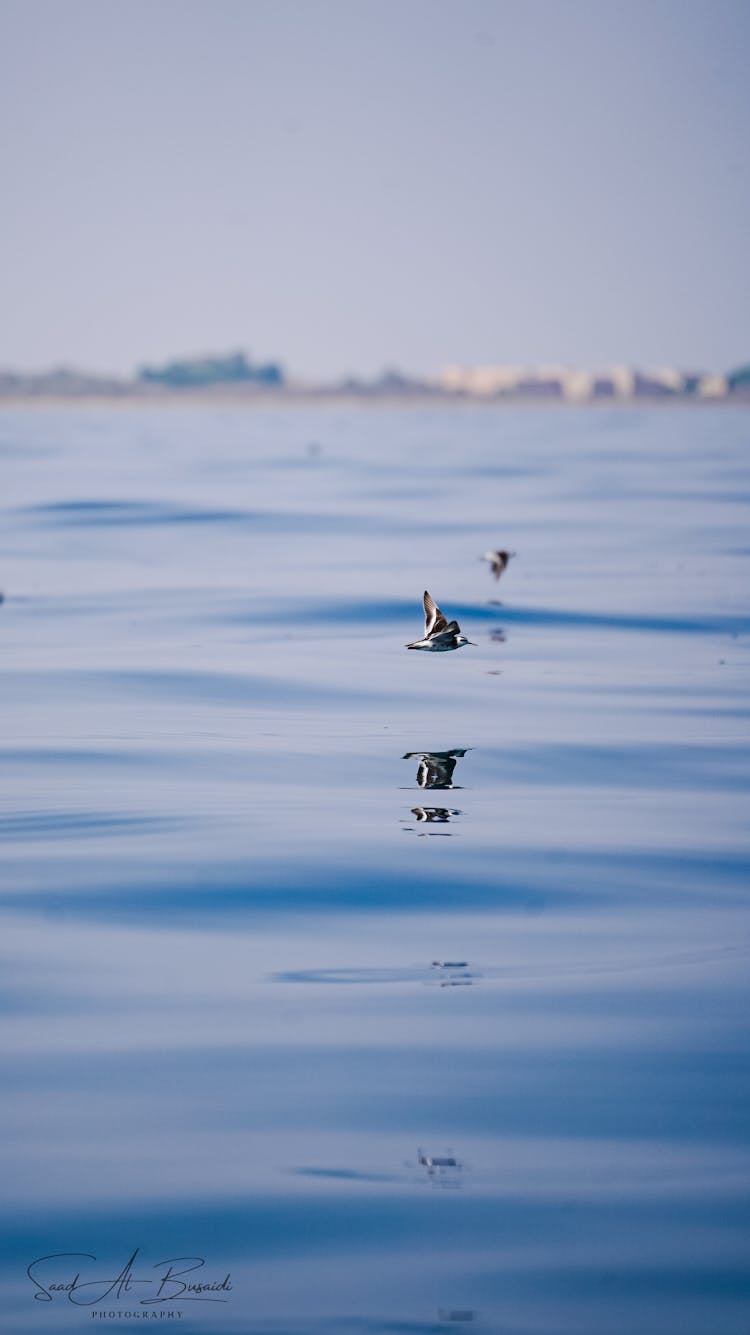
(346, 184)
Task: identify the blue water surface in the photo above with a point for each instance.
(408, 991)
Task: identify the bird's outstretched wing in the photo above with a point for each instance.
(434, 621)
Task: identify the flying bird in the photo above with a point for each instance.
(439, 635)
(498, 561)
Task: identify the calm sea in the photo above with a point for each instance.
(408, 991)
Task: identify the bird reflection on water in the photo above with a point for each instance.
(452, 973)
(436, 768)
(443, 1170)
(433, 816)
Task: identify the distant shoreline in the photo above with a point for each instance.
(225, 398)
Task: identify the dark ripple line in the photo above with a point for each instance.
(642, 766)
(46, 755)
(63, 824)
(97, 513)
(216, 688)
(552, 879)
(400, 610)
(145, 513)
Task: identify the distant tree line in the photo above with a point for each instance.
(740, 378)
(193, 372)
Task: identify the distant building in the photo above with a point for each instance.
(540, 386)
(658, 384)
(578, 386)
(623, 379)
(603, 387)
(480, 380)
